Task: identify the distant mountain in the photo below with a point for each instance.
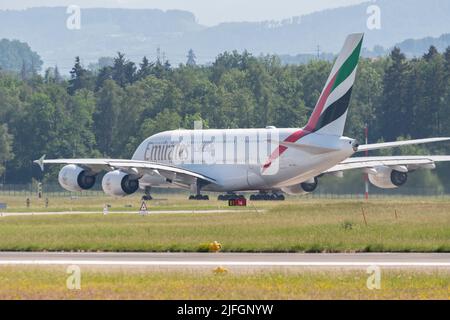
(412, 47)
(400, 19)
(139, 32)
(103, 32)
(418, 47)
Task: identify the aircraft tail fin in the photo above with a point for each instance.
(330, 112)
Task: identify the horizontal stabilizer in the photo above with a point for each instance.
(383, 145)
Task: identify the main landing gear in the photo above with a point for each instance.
(147, 196)
(198, 197)
(230, 196)
(263, 196)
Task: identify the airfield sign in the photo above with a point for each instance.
(105, 209)
(143, 210)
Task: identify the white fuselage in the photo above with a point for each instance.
(244, 159)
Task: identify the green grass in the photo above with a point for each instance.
(50, 283)
(96, 204)
(422, 225)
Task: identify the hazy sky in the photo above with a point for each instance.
(208, 12)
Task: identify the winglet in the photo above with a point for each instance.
(40, 162)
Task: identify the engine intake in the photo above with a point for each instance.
(302, 188)
(74, 178)
(118, 184)
(387, 178)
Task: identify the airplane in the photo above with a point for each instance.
(271, 161)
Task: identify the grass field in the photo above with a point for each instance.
(83, 203)
(307, 225)
(50, 283)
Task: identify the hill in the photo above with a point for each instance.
(417, 47)
(140, 32)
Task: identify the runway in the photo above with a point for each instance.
(247, 260)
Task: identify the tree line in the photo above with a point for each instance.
(108, 111)
(18, 57)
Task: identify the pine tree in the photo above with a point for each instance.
(107, 116)
(191, 61)
(428, 85)
(167, 66)
(123, 71)
(104, 74)
(79, 77)
(432, 52)
(145, 69)
(395, 113)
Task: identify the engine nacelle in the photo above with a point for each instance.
(118, 184)
(302, 188)
(74, 178)
(387, 178)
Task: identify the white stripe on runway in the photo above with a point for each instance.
(225, 263)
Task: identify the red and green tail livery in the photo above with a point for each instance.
(330, 112)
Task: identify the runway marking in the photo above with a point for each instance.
(225, 263)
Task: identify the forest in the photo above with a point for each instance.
(108, 111)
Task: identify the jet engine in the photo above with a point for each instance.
(119, 184)
(302, 188)
(388, 178)
(74, 178)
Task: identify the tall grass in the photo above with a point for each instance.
(294, 226)
(50, 283)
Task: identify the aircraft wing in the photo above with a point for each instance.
(172, 173)
(411, 162)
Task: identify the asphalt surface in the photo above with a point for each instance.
(249, 260)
